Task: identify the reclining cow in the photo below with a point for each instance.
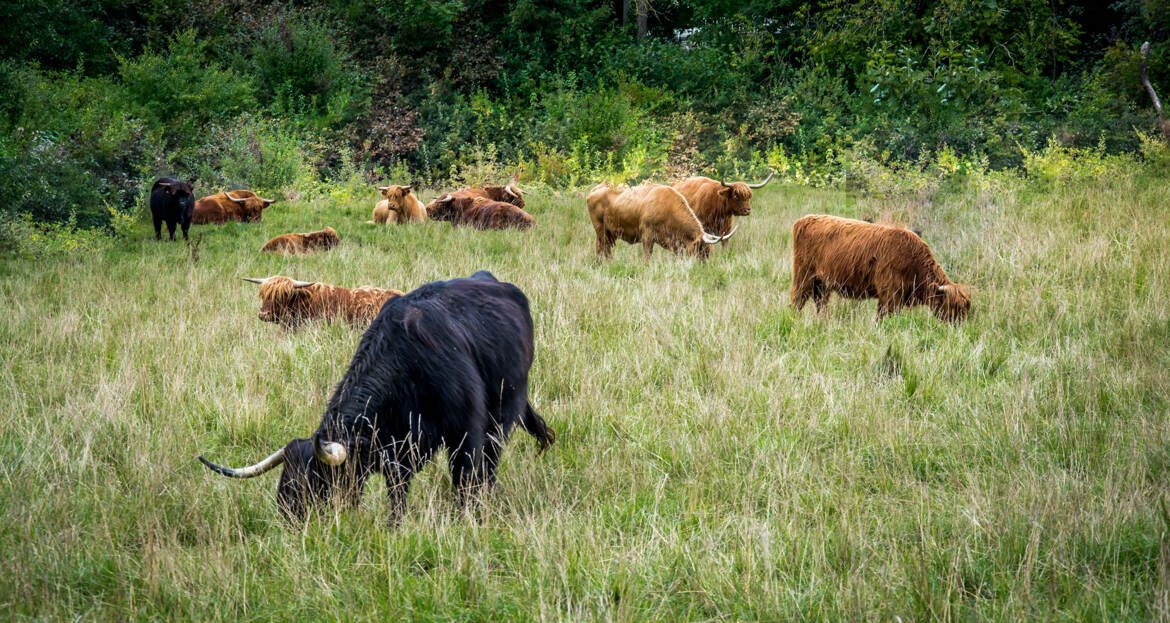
(398, 206)
(290, 302)
(445, 366)
(481, 213)
(861, 260)
(650, 214)
(303, 243)
(718, 203)
(452, 206)
(237, 205)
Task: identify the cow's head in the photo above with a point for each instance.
(396, 196)
(315, 472)
(443, 208)
(510, 193)
(951, 302)
(278, 295)
(251, 203)
(737, 196)
(182, 192)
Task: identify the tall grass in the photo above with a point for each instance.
(718, 456)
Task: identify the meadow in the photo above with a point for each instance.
(719, 457)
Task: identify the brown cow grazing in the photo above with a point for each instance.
(290, 302)
(718, 203)
(860, 260)
(650, 213)
(303, 243)
(236, 205)
(399, 206)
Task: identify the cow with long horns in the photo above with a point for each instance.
(171, 201)
(717, 203)
(860, 260)
(445, 366)
(650, 214)
(455, 205)
(290, 302)
(236, 205)
(303, 243)
(481, 213)
(398, 206)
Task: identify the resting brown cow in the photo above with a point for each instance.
(650, 213)
(291, 302)
(303, 243)
(236, 205)
(860, 260)
(452, 206)
(399, 206)
(718, 203)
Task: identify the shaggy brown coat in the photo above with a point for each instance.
(291, 302)
(399, 206)
(715, 203)
(860, 260)
(650, 214)
(303, 243)
(488, 214)
(233, 205)
(454, 206)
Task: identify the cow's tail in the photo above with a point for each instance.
(535, 426)
(707, 238)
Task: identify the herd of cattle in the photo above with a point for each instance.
(446, 366)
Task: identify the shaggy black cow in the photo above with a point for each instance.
(444, 366)
(171, 200)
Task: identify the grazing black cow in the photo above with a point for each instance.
(171, 200)
(443, 366)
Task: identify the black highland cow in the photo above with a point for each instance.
(443, 366)
(171, 200)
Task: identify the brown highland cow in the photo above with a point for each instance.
(399, 206)
(303, 243)
(235, 205)
(290, 302)
(718, 203)
(650, 214)
(860, 260)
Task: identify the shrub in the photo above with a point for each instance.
(181, 90)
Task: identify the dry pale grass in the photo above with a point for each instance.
(718, 457)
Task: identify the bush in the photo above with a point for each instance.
(180, 90)
(258, 153)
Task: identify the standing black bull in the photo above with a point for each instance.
(446, 365)
(171, 200)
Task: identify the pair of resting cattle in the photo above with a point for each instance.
(489, 207)
(172, 201)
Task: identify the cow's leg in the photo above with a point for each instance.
(171, 228)
(820, 295)
(605, 242)
(157, 226)
(887, 305)
(467, 462)
(803, 280)
(186, 226)
(647, 244)
(399, 467)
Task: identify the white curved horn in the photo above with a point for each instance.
(730, 233)
(761, 184)
(228, 195)
(329, 452)
(302, 284)
(254, 280)
(274, 459)
(382, 188)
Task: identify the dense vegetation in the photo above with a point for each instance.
(98, 97)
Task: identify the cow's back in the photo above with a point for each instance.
(856, 255)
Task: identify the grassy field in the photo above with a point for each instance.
(719, 457)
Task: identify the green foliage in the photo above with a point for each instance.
(303, 72)
(257, 153)
(181, 89)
